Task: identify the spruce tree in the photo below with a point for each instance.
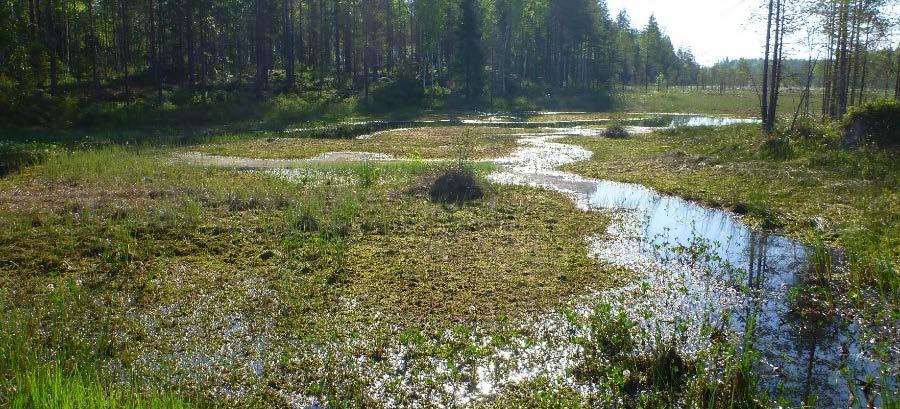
(470, 57)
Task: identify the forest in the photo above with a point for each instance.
(187, 51)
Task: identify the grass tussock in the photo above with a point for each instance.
(616, 132)
(456, 185)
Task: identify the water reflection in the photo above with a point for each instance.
(804, 352)
(675, 120)
(806, 357)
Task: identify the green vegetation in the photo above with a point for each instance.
(136, 257)
(418, 143)
(875, 123)
(184, 223)
(68, 374)
(798, 183)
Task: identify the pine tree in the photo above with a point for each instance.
(471, 58)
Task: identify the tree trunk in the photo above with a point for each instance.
(95, 77)
(348, 45)
(191, 55)
(288, 10)
(335, 20)
(262, 71)
(776, 66)
(51, 38)
(124, 53)
(764, 104)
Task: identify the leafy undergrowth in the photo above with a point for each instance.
(425, 143)
(799, 184)
(224, 283)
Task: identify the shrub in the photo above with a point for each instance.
(404, 92)
(876, 122)
(16, 156)
(778, 148)
(809, 130)
(456, 185)
(616, 131)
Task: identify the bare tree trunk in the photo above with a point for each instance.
(865, 67)
(764, 102)
(804, 98)
(262, 71)
(50, 28)
(191, 55)
(897, 73)
(95, 77)
(844, 63)
(123, 15)
(855, 33)
(158, 56)
(348, 45)
(288, 10)
(777, 65)
(335, 26)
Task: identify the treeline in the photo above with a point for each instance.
(474, 49)
(847, 33)
(881, 79)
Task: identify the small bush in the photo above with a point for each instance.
(875, 123)
(809, 130)
(14, 157)
(616, 131)
(778, 148)
(404, 92)
(456, 185)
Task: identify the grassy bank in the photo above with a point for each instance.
(817, 193)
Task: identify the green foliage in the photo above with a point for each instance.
(15, 156)
(470, 64)
(42, 366)
(876, 122)
(403, 93)
(778, 149)
(610, 336)
(611, 360)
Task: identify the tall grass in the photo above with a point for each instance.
(40, 371)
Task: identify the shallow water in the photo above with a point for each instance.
(754, 275)
(679, 120)
(803, 356)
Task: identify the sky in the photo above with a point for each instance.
(712, 29)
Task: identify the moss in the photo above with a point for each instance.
(520, 250)
(189, 270)
(423, 143)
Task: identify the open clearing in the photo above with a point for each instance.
(257, 273)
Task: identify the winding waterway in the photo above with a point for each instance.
(752, 287)
(803, 357)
